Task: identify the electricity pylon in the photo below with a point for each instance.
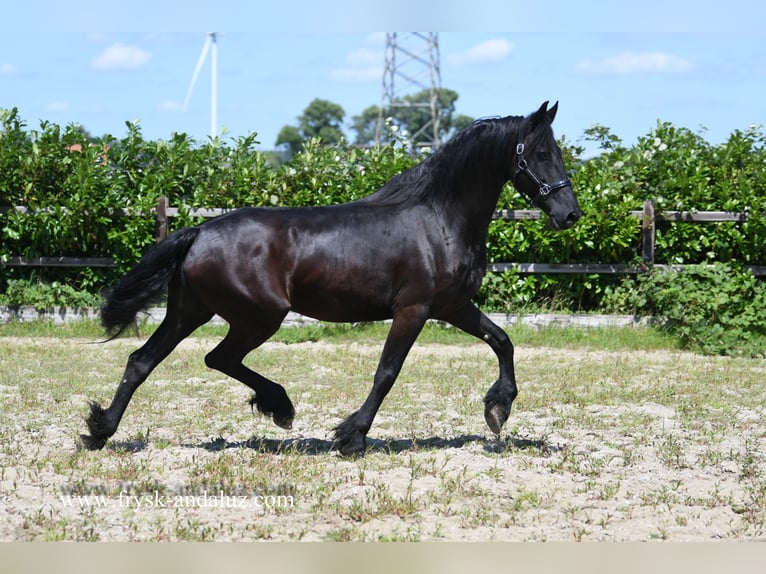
(412, 65)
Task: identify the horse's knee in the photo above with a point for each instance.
(214, 360)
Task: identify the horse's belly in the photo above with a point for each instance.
(338, 309)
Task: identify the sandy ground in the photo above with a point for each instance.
(617, 470)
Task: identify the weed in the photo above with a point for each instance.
(343, 534)
(671, 452)
(609, 490)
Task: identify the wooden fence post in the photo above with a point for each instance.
(648, 233)
(162, 218)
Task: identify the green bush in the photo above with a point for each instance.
(42, 295)
(75, 195)
(324, 175)
(716, 309)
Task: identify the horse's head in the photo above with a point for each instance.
(539, 171)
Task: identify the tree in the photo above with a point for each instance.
(409, 113)
(321, 119)
(365, 125)
(291, 137)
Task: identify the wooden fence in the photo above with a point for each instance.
(648, 218)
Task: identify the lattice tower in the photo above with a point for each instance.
(411, 66)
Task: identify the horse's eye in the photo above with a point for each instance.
(543, 156)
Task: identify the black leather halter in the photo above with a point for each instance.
(543, 189)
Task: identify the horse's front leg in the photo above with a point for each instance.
(351, 434)
(500, 397)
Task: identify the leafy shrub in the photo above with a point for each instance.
(324, 175)
(78, 192)
(507, 292)
(43, 295)
(716, 309)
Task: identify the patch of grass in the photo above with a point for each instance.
(602, 338)
(605, 338)
(84, 329)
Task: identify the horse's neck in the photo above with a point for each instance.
(469, 211)
(474, 195)
(487, 169)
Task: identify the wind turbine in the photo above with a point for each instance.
(211, 46)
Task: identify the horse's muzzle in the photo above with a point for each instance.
(562, 223)
(572, 218)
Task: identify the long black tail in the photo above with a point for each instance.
(146, 282)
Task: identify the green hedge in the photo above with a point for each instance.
(673, 166)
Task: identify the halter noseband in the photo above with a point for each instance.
(543, 189)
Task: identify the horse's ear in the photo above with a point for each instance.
(552, 112)
(538, 117)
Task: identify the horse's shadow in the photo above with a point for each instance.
(316, 446)
(130, 445)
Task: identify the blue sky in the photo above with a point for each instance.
(700, 64)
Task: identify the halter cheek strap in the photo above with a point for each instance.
(543, 189)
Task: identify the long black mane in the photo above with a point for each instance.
(480, 154)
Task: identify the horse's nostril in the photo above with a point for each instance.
(572, 218)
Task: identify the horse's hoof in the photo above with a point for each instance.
(89, 442)
(353, 449)
(283, 422)
(349, 440)
(352, 452)
(495, 415)
(282, 419)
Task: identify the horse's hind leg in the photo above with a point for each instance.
(102, 423)
(500, 397)
(270, 398)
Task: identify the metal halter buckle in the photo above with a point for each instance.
(544, 189)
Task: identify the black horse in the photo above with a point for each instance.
(413, 250)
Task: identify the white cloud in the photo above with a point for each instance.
(121, 57)
(7, 69)
(632, 63)
(362, 65)
(54, 107)
(489, 51)
(169, 106)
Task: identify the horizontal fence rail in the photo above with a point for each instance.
(18, 261)
(648, 218)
